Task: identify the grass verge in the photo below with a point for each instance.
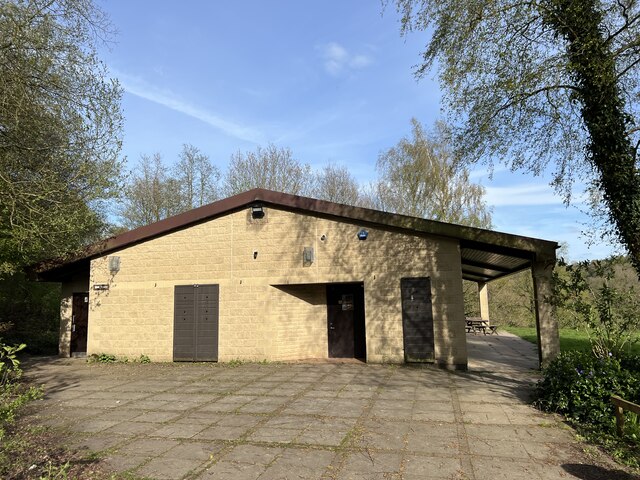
(570, 339)
(33, 452)
(29, 451)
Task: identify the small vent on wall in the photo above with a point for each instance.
(307, 256)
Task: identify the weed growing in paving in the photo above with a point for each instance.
(109, 358)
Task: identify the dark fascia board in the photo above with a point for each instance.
(477, 236)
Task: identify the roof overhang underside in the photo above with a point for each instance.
(486, 262)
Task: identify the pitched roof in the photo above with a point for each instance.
(486, 254)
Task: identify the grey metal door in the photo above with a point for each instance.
(195, 323)
(417, 319)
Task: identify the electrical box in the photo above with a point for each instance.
(114, 264)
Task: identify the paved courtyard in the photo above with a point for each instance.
(313, 420)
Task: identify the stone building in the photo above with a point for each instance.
(271, 276)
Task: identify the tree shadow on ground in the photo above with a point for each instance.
(519, 388)
(595, 472)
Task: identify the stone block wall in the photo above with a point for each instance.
(272, 305)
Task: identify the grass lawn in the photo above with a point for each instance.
(570, 339)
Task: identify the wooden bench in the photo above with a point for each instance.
(622, 405)
(475, 325)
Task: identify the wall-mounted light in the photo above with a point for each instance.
(257, 212)
(363, 234)
(114, 265)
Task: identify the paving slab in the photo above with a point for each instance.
(421, 467)
(168, 468)
(370, 465)
(317, 420)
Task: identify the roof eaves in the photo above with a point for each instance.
(304, 204)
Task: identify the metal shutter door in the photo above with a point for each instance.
(195, 323)
(417, 319)
(206, 339)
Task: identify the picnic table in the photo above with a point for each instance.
(477, 325)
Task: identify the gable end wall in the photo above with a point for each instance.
(260, 316)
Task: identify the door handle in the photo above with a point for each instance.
(73, 327)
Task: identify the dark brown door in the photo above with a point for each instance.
(79, 323)
(195, 323)
(417, 319)
(346, 320)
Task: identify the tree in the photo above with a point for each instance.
(60, 129)
(197, 178)
(602, 302)
(336, 184)
(154, 191)
(150, 195)
(539, 81)
(420, 177)
(271, 168)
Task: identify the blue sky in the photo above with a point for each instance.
(332, 80)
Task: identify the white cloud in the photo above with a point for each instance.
(338, 60)
(486, 173)
(522, 195)
(532, 194)
(141, 88)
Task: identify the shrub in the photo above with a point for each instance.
(102, 358)
(631, 363)
(579, 386)
(9, 363)
(43, 343)
(13, 395)
(601, 303)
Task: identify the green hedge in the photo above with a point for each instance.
(579, 386)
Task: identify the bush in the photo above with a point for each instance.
(109, 358)
(601, 302)
(31, 311)
(13, 395)
(631, 363)
(43, 343)
(579, 386)
(102, 358)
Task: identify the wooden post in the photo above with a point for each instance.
(619, 420)
(620, 406)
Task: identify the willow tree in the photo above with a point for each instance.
(535, 83)
(420, 177)
(60, 129)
